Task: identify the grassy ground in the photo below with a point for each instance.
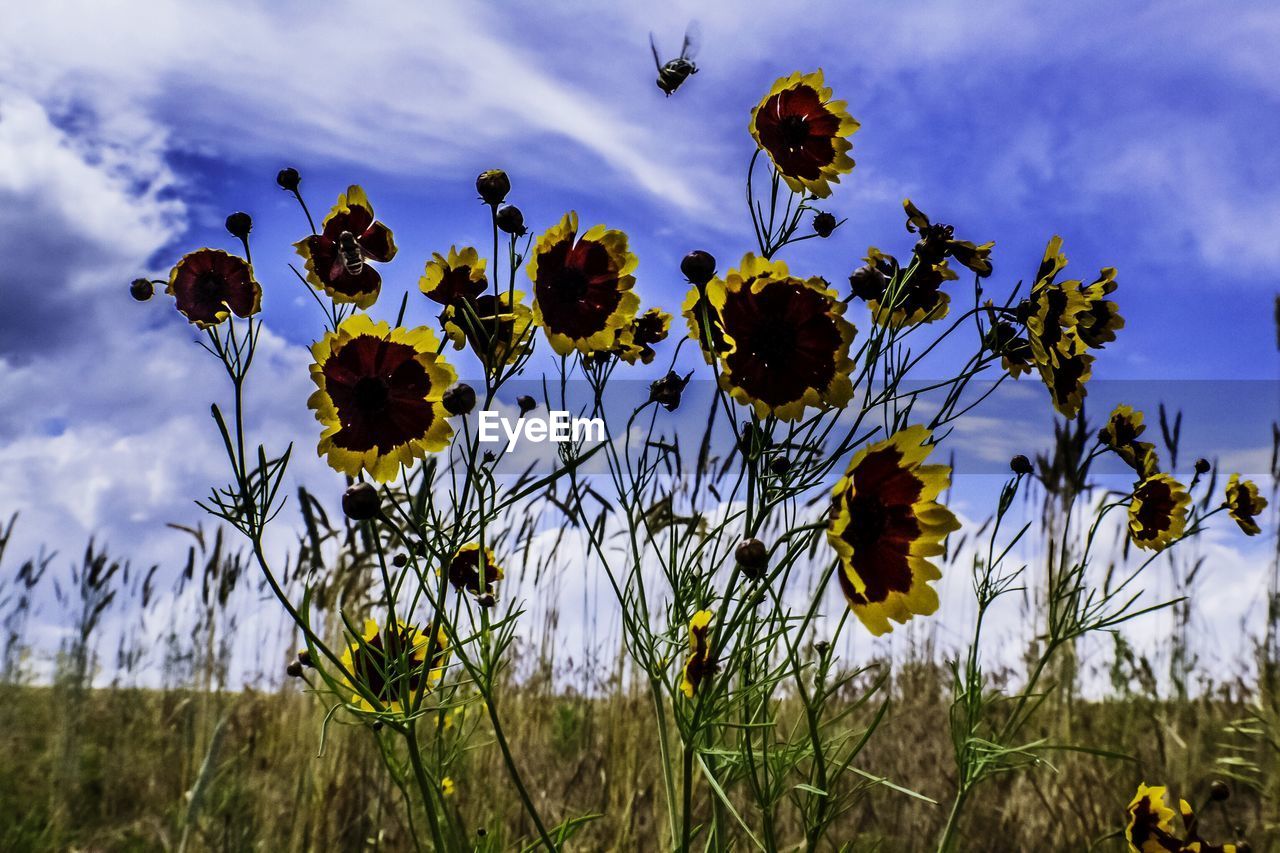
(116, 769)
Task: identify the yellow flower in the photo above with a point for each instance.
(447, 786)
(787, 343)
(379, 396)
(394, 665)
(337, 258)
(1121, 435)
(1243, 503)
(464, 569)
(636, 342)
(885, 523)
(703, 319)
(1099, 320)
(582, 288)
(805, 133)
(458, 276)
(1150, 826)
(699, 666)
(1052, 312)
(498, 329)
(1158, 512)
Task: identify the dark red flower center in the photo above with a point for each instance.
(370, 394)
(1155, 513)
(379, 389)
(577, 288)
(882, 524)
(794, 130)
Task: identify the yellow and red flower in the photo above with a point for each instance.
(1051, 315)
(1150, 827)
(1244, 503)
(394, 665)
(379, 396)
(1099, 319)
(1158, 512)
(703, 319)
(699, 666)
(465, 570)
(915, 296)
(336, 259)
(582, 287)
(805, 133)
(787, 341)
(448, 279)
(209, 285)
(885, 523)
(497, 328)
(636, 342)
(1121, 435)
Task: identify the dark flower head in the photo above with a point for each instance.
(917, 295)
(465, 570)
(1202, 467)
(824, 224)
(141, 289)
(787, 341)
(868, 283)
(1121, 436)
(394, 665)
(805, 133)
(460, 275)
(752, 557)
(637, 341)
(699, 267)
(1099, 318)
(337, 259)
(289, 179)
(700, 665)
(294, 669)
(582, 286)
(526, 403)
(1244, 504)
(666, 392)
(379, 397)
(493, 186)
(239, 224)
(1020, 465)
(210, 285)
(460, 399)
(1157, 512)
(360, 502)
(937, 241)
(511, 220)
(885, 523)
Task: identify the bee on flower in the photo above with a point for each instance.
(337, 259)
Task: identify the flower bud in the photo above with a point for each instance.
(460, 399)
(699, 267)
(288, 179)
(239, 224)
(400, 560)
(1202, 467)
(511, 220)
(868, 283)
(780, 465)
(1218, 790)
(666, 392)
(304, 658)
(360, 502)
(823, 224)
(294, 669)
(493, 186)
(752, 557)
(1020, 464)
(527, 404)
(486, 600)
(141, 289)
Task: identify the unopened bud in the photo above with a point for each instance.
(239, 224)
(753, 557)
(141, 289)
(288, 179)
(526, 403)
(868, 283)
(294, 669)
(304, 658)
(823, 224)
(666, 392)
(1020, 465)
(698, 266)
(460, 399)
(360, 502)
(1219, 791)
(780, 465)
(400, 560)
(493, 186)
(1202, 466)
(510, 220)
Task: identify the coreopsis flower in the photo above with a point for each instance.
(582, 287)
(209, 285)
(497, 328)
(1244, 503)
(1014, 351)
(937, 241)
(447, 788)
(703, 317)
(1150, 827)
(337, 258)
(885, 523)
(1158, 512)
(805, 133)
(699, 666)
(1099, 319)
(378, 397)
(459, 275)
(465, 570)
(1121, 435)
(918, 296)
(1051, 314)
(636, 342)
(394, 664)
(787, 341)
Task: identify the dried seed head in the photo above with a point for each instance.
(699, 267)
(288, 179)
(239, 224)
(823, 224)
(294, 669)
(460, 399)
(1202, 467)
(493, 186)
(141, 289)
(360, 502)
(752, 557)
(511, 220)
(527, 404)
(1020, 464)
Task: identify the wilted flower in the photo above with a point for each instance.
(1158, 512)
(582, 286)
(1243, 503)
(885, 523)
(465, 569)
(1121, 435)
(336, 258)
(636, 342)
(699, 667)
(937, 241)
(787, 341)
(1014, 351)
(209, 285)
(379, 396)
(805, 133)
(394, 664)
(1051, 315)
(918, 297)
(448, 279)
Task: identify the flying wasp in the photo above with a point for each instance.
(673, 73)
(349, 250)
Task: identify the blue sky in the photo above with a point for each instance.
(1144, 133)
